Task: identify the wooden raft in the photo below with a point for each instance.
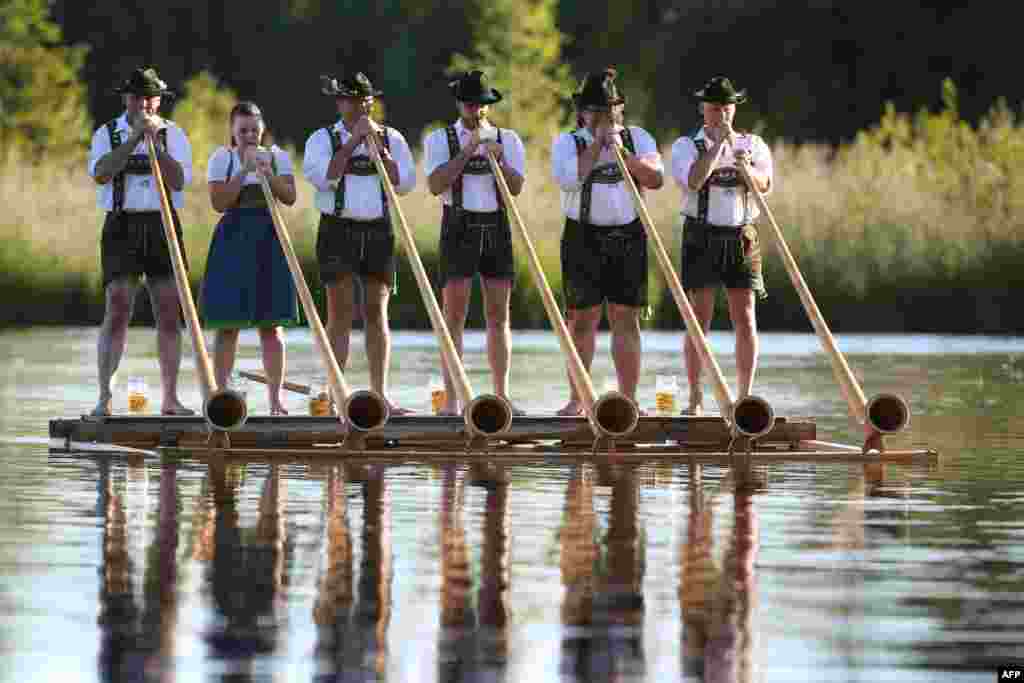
(408, 431)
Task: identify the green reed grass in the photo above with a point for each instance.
(914, 226)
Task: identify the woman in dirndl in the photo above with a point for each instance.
(247, 281)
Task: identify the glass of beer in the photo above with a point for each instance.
(437, 393)
(319, 397)
(665, 389)
(137, 399)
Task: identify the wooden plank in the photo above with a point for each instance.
(151, 431)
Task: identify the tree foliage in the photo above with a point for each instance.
(42, 101)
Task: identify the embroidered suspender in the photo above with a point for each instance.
(476, 166)
(607, 174)
(722, 177)
(357, 165)
(138, 164)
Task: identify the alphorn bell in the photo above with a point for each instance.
(486, 415)
(885, 413)
(363, 410)
(751, 416)
(611, 415)
(223, 408)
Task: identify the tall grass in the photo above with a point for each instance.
(914, 226)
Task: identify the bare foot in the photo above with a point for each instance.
(278, 410)
(102, 408)
(572, 409)
(176, 408)
(696, 410)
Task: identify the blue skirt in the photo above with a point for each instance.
(247, 282)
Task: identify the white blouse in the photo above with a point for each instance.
(222, 157)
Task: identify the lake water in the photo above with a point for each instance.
(133, 568)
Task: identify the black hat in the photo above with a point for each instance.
(720, 90)
(144, 82)
(472, 87)
(352, 86)
(598, 91)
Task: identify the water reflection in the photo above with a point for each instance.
(352, 625)
(473, 641)
(717, 600)
(246, 572)
(603, 607)
(137, 614)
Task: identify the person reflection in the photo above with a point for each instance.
(474, 639)
(118, 610)
(717, 604)
(246, 578)
(603, 609)
(160, 615)
(352, 627)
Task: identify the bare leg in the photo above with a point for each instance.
(339, 317)
(164, 295)
(582, 325)
(626, 346)
(378, 338)
(455, 303)
(120, 297)
(703, 303)
(225, 345)
(272, 345)
(744, 321)
(499, 335)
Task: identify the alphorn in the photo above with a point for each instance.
(223, 408)
(885, 413)
(486, 415)
(363, 410)
(613, 414)
(750, 416)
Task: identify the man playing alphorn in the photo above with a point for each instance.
(355, 237)
(133, 241)
(475, 233)
(604, 247)
(720, 242)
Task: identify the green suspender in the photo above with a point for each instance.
(138, 164)
(722, 177)
(606, 175)
(476, 166)
(357, 165)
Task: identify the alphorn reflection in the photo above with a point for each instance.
(474, 639)
(717, 602)
(352, 625)
(603, 608)
(246, 577)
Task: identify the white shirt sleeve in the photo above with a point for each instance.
(283, 161)
(402, 155)
(684, 153)
(316, 159)
(435, 148)
(646, 147)
(100, 147)
(515, 151)
(564, 163)
(217, 166)
(761, 159)
(180, 150)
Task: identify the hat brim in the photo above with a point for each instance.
(484, 98)
(341, 92)
(739, 97)
(143, 92)
(606, 104)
